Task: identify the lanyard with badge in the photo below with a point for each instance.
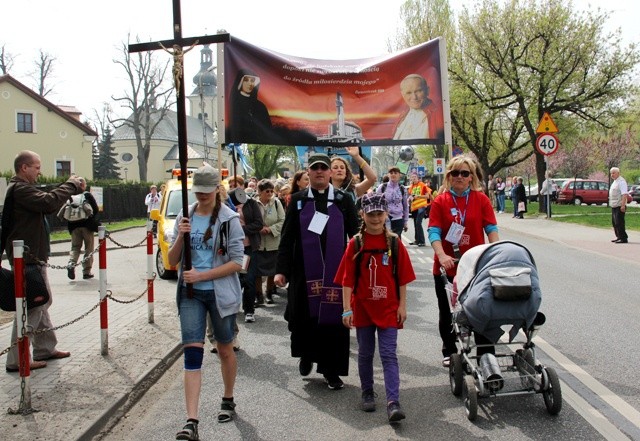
(457, 227)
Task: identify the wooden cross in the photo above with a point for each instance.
(177, 44)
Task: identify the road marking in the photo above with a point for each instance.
(617, 403)
(589, 413)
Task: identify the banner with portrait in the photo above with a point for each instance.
(272, 98)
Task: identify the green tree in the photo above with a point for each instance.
(511, 61)
(543, 56)
(105, 160)
(267, 159)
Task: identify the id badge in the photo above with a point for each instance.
(318, 222)
(385, 259)
(455, 233)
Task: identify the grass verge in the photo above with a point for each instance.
(111, 226)
(598, 216)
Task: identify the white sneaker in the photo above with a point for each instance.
(249, 318)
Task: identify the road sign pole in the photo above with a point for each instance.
(546, 187)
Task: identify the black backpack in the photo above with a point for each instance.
(394, 258)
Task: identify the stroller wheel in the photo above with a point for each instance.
(456, 374)
(552, 393)
(470, 397)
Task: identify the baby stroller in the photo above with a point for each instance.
(497, 287)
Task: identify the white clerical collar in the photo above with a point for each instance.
(329, 198)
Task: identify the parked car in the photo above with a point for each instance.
(634, 191)
(170, 206)
(583, 191)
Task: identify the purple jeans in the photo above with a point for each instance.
(387, 344)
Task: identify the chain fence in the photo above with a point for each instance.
(109, 295)
(25, 408)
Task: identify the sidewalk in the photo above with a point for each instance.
(77, 396)
(74, 397)
(595, 240)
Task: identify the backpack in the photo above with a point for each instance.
(403, 191)
(394, 258)
(77, 208)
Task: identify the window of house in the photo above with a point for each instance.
(126, 157)
(25, 122)
(63, 168)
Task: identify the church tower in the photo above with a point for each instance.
(203, 98)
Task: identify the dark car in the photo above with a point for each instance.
(634, 191)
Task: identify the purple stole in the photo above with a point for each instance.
(324, 296)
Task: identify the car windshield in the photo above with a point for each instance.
(174, 204)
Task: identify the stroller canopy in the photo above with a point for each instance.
(487, 271)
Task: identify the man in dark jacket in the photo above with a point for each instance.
(28, 223)
(83, 231)
(316, 228)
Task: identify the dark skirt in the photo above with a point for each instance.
(266, 262)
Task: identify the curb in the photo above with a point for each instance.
(112, 415)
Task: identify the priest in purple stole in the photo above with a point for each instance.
(316, 229)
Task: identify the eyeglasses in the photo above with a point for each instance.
(463, 173)
(319, 167)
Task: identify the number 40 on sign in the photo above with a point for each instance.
(547, 143)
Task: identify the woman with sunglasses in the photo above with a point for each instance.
(342, 176)
(460, 217)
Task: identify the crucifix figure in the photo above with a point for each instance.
(178, 59)
(178, 43)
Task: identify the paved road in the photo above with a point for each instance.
(77, 396)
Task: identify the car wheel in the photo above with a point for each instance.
(577, 201)
(163, 273)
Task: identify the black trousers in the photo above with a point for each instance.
(617, 219)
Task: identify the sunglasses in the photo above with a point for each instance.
(319, 167)
(463, 173)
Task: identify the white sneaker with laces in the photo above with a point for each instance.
(249, 318)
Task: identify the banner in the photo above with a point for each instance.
(272, 98)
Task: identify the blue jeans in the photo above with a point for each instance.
(193, 317)
(500, 198)
(418, 217)
(387, 344)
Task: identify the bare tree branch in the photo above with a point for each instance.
(147, 98)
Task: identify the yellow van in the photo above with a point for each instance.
(166, 216)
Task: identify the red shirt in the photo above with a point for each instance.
(375, 301)
(477, 212)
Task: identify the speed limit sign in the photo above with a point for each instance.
(547, 143)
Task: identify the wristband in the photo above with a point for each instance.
(363, 163)
(346, 314)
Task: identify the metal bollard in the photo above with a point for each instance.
(24, 354)
(150, 315)
(104, 316)
(491, 372)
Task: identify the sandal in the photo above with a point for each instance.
(189, 432)
(227, 411)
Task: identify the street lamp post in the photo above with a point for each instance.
(125, 173)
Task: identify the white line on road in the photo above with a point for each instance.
(599, 422)
(595, 418)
